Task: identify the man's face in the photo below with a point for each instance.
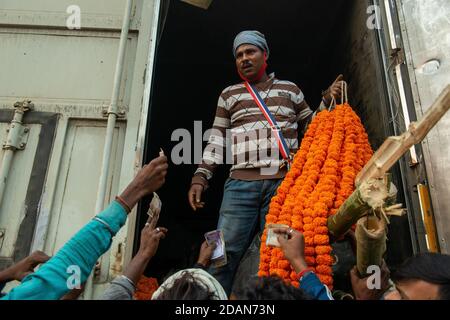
(249, 60)
(414, 290)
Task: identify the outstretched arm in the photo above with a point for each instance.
(76, 259)
(124, 286)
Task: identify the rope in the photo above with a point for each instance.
(344, 95)
(332, 104)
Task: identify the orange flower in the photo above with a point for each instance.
(297, 226)
(283, 264)
(321, 230)
(310, 260)
(145, 288)
(307, 220)
(309, 234)
(263, 273)
(324, 259)
(310, 251)
(323, 250)
(321, 239)
(283, 274)
(309, 241)
(264, 267)
(320, 221)
(323, 269)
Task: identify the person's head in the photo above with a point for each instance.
(269, 288)
(190, 284)
(425, 276)
(251, 52)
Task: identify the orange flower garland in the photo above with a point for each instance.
(333, 151)
(145, 288)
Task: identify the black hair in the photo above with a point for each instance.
(269, 288)
(187, 287)
(430, 267)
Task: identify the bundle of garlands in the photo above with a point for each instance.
(145, 288)
(333, 151)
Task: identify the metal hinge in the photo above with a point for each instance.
(17, 133)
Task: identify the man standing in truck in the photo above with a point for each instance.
(255, 112)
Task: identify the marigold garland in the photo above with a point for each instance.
(333, 151)
(145, 288)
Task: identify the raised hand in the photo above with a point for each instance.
(335, 90)
(149, 179)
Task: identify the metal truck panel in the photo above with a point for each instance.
(78, 178)
(13, 206)
(68, 75)
(426, 26)
(99, 14)
(53, 62)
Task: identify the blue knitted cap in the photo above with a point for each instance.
(255, 38)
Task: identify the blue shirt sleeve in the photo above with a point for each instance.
(81, 251)
(311, 284)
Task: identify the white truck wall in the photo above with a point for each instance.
(69, 74)
(426, 26)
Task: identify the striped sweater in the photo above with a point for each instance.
(241, 136)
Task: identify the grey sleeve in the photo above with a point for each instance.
(120, 288)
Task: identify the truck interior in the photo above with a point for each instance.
(311, 42)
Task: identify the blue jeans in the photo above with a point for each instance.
(244, 208)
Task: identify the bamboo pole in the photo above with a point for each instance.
(370, 243)
(394, 147)
(371, 194)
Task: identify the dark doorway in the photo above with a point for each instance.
(310, 43)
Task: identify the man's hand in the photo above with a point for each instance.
(335, 90)
(195, 196)
(361, 289)
(293, 248)
(26, 266)
(150, 240)
(206, 252)
(149, 179)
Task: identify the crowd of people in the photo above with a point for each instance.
(424, 276)
(257, 103)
